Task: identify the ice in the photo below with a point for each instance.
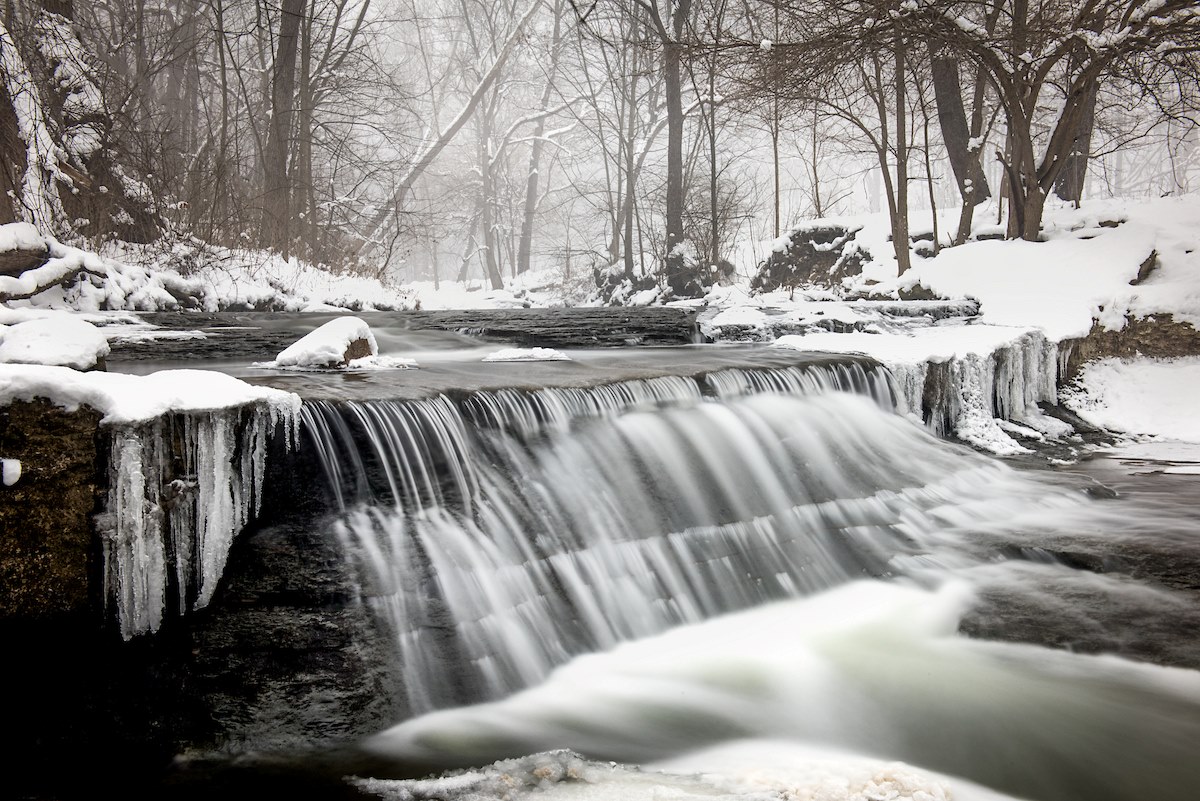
(527, 355)
(183, 486)
(988, 372)
(186, 470)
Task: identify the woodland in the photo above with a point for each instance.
(633, 140)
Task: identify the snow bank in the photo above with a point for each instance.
(1080, 273)
(328, 345)
(159, 277)
(63, 340)
(1142, 397)
(130, 398)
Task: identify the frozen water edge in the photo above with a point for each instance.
(186, 469)
(163, 521)
(975, 377)
(744, 771)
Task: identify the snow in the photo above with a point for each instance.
(326, 346)
(527, 355)
(63, 340)
(124, 399)
(10, 471)
(20, 236)
(1146, 398)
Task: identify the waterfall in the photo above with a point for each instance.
(181, 487)
(501, 533)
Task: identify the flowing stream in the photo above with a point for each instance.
(759, 562)
(740, 574)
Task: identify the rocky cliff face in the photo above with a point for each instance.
(286, 653)
(1157, 335)
(46, 540)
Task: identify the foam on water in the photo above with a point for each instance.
(872, 668)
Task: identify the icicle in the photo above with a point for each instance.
(134, 551)
(181, 488)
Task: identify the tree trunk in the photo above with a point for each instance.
(303, 183)
(487, 199)
(672, 87)
(678, 273)
(900, 235)
(1069, 185)
(535, 150)
(276, 206)
(957, 136)
(714, 200)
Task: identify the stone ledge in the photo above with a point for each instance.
(1157, 335)
(46, 547)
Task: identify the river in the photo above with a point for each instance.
(711, 586)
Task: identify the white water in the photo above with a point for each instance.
(561, 522)
(870, 669)
(755, 584)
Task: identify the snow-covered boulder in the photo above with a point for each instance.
(819, 253)
(60, 340)
(335, 344)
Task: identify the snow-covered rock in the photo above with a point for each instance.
(527, 355)
(21, 247)
(337, 343)
(62, 340)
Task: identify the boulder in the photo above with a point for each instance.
(817, 254)
(334, 344)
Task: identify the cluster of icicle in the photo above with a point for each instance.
(181, 487)
(967, 396)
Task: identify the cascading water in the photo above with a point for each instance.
(711, 576)
(502, 534)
